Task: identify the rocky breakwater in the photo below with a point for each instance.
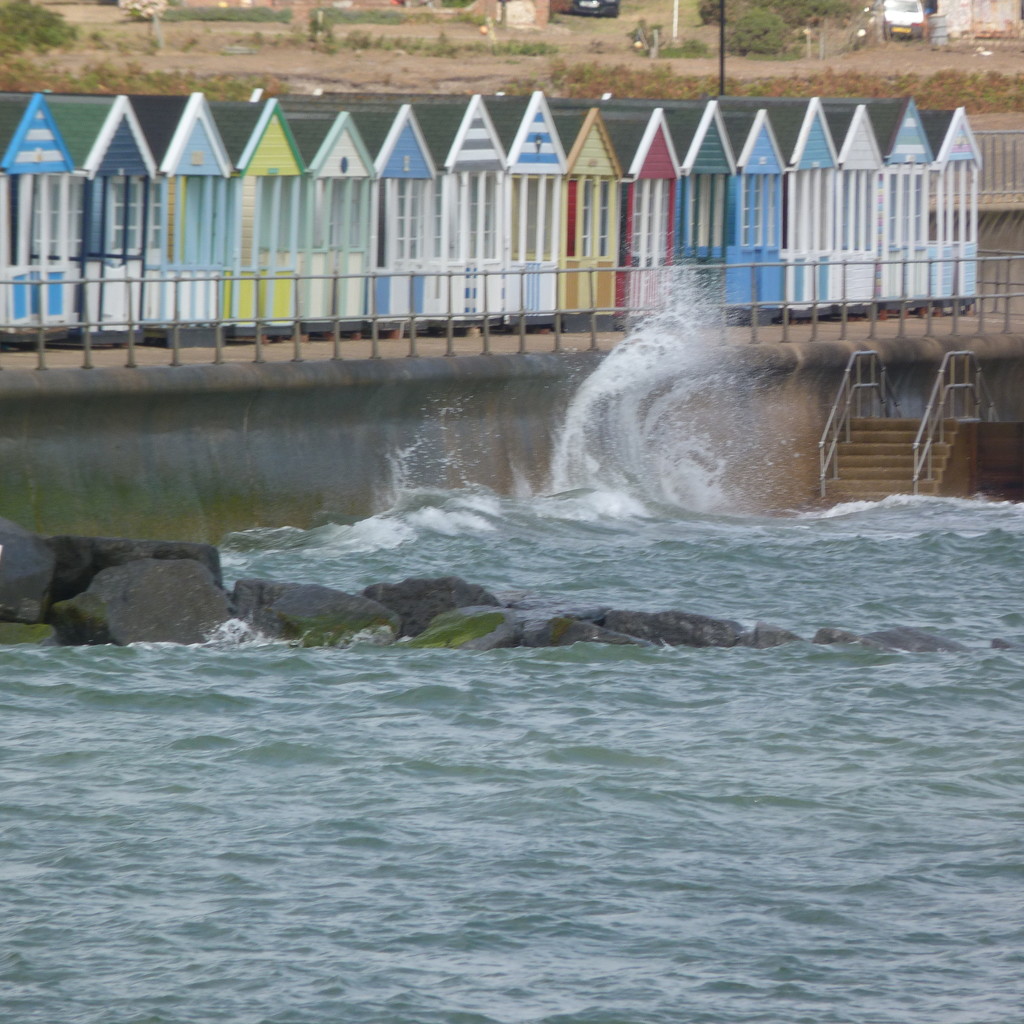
(69, 590)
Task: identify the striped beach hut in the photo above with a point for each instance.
(535, 168)
(192, 211)
(472, 220)
(39, 204)
(120, 230)
(904, 202)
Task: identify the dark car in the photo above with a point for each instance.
(600, 8)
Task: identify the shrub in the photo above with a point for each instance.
(24, 26)
(757, 31)
(690, 48)
(226, 14)
(795, 13)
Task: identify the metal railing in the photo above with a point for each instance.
(863, 391)
(959, 392)
(212, 317)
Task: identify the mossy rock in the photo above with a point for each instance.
(470, 629)
(25, 633)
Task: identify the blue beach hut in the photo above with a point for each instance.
(404, 224)
(120, 225)
(39, 205)
(754, 231)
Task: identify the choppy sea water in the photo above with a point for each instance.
(250, 833)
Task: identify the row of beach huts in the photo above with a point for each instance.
(149, 211)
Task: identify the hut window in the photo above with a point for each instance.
(46, 211)
(604, 219)
(125, 208)
(587, 219)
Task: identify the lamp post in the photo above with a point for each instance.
(721, 47)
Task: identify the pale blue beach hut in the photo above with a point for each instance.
(193, 211)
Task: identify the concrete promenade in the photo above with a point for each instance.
(977, 324)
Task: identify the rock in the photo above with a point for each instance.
(308, 614)
(12, 633)
(679, 629)
(565, 630)
(829, 635)
(79, 559)
(418, 601)
(763, 636)
(999, 644)
(147, 600)
(907, 638)
(480, 628)
(26, 574)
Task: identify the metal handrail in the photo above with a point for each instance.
(959, 378)
(864, 378)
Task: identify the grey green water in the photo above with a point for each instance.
(247, 833)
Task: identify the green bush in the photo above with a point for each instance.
(24, 26)
(226, 14)
(795, 13)
(757, 31)
(690, 48)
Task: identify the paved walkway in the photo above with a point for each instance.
(475, 343)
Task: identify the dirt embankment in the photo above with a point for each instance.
(394, 61)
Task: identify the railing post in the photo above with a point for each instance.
(592, 288)
(754, 311)
(336, 305)
(449, 349)
(131, 364)
(176, 324)
(413, 351)
(296, 322)
(522, 309)
(40, 332)
(374, 321)
(482, 277)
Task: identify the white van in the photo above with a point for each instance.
(904, 19)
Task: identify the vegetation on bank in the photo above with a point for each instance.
(22, 74)
(979, 92)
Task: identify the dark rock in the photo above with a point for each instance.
(907, 638)
(418, 601)
(79, 559)
(26, 574)
(146, 600)
(829, 635)
(308, 614)
(480, 628)
(565, 630)
(763, 636)
(679, 629)
(998, 644)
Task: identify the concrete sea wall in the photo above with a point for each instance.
(196, 452)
